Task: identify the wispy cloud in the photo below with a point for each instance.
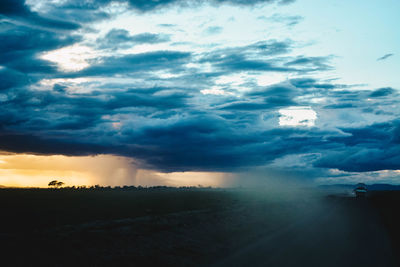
(385, 57)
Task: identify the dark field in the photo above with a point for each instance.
(186, 227)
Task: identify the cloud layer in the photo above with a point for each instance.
(182, 106)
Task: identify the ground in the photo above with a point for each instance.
(196, 227)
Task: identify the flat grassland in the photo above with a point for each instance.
(194, 227)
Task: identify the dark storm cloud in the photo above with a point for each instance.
(49, 111)
(13, 7)
(51, 23)
(206, 142)
(119, 38)
(305, 83)
(48, 122)
(20, 66)
(275, 96)
(258, 57)
(79, 13)
(18, 10)
(11, 79)
(279, 95)
(385, 57)
(151, 106)
(24, 35)
(382, 92)
(134, 63)
(99, 102)
(17, 41)
(282, 90)
(371, 148)
(246, 105)
(74, 124)
(32, 144)
(248, 58)
(21, 46)
(240, 63)
(368, 101)
(143, 98)
(362, 159)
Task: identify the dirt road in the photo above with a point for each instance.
(342, 232)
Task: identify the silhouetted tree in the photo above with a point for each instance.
(55, 184)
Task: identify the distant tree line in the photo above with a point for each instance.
(59, 185)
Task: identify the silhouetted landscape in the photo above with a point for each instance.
(189, 226)
(199, 133)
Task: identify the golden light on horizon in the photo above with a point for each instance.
(23, 170)
(188, 178)
(27, 170)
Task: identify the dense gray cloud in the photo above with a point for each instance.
(266, 98)
(12, 79)
(17, 9)
(21, 46)
(166, 132)
(382, 92)
(372, 148)
(36, 145)
(134, 63)
(24, 35)
(258, 57)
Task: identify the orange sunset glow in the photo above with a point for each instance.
(27, 170)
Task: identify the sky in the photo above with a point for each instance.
(174, 92)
